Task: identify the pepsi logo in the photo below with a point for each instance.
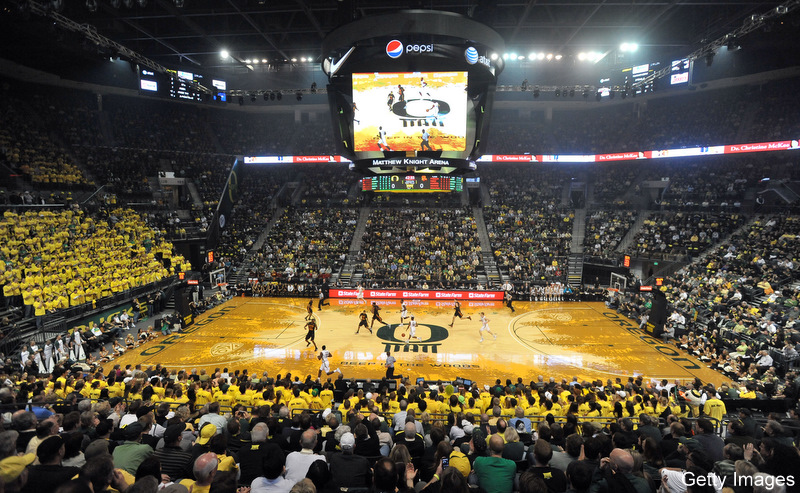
(394, 49)
(472, 55)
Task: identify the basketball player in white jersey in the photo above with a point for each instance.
(485, 327)
(325, 366)
(412, 330)
(360, 295)
(403, 311)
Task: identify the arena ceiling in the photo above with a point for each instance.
(192, 33)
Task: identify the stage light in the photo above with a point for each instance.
(628, 47)
(303, 59)
(263, 60)
(781, 9)
(505, 56)
(279, 95)
(142, 3)
(57, 5)
(116, 3)
(255, 61)
(179, 4)
(299, 96)
(581, 56)
(536, 92)
(91, 5)
(272, 96)
(532, 56)
(732, 45)
(248, 61)
(224, 54)
(540, 56)
(549, 56)
(493, 56)
(572, 93)
(558, 92)
(253, 97)
(513, 56)
(710, 59)
(294, 59)
(559, 57)
(266, 97)
(128, 3)
(241, 100)
(585, 93)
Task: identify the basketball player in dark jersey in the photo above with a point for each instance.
(457, 313)
(362, 322)
(311, 326)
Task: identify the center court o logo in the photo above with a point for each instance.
(394, 48)
(438, 334)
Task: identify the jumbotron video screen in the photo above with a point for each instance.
(410, 111)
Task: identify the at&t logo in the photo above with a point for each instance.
(394, 49)
(472, 56)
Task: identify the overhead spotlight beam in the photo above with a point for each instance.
(173, 9)
(311, 17)
(708, 50)
(92, 35)
(258, 29)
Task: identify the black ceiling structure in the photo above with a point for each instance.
(192, 33)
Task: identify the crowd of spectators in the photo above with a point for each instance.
(612, 181)
(684, 233)
(327, 186)
(307, 245)
(68, 113)
(530, 233)
(55, 260)
(27, 146)
(605, 230)
(124, 170)
(157, 125)
(251, 134)
(256, 206)
(420, 244)
(773, 109)
(737, 308)
(136, 428)
(713, 184)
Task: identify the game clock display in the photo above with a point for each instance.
(412, 183)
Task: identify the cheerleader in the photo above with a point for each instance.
(38, 359)
(119, 349)
(77, 353)
(48, 356)
(23, 356)
(62, 353)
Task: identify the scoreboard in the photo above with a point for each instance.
(412, 183)
(177, 84)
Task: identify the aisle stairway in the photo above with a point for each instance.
(350, 274)
(491, 274)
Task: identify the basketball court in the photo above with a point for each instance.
(562, 340)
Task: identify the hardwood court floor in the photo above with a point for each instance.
(553, 339)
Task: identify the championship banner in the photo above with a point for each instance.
(409, 294)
